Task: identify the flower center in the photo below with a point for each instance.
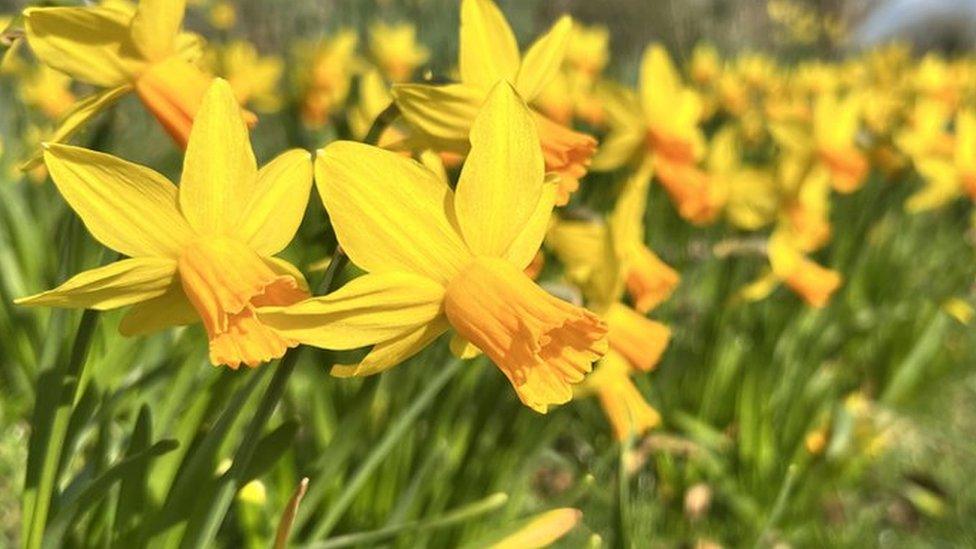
(225, 281)
(543, 345)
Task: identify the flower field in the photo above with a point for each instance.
(460, 273)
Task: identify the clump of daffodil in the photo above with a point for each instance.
(666, 131)
(253, 77)
(443, 115)
(604, 259)
(326, 75)
(202, 251)
(440, 259)
(395, 50)
(123, 50)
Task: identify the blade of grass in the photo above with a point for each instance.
(397, 431)
(462, 514)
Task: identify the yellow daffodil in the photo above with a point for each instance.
(626, 409)
(588, 50)
(254, 78)
(706, 66)
(667, 132)
(122, 51)
(813, 283)
(203, 251)
(602, 259)
(48, 91)
(751, 197)
(395, 50)
(488, 54)
(946, 178)
(327, 74)
(439, 259)
(835, 126)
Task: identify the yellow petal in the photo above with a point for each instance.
(659, 81)
(619, 147)
(90, 44)
(526, 243)
(129, 208)
(391, 352)
(462, 348)
(219, 172)
(170, 309)
(941, 185)
(78, 116)
(370, 309)
(501, 182)
(276, 208)
(489, 52)
(389, 212)
(444, 114)
(544, 59)
(542, 530)
(115, 285)
(155, 26)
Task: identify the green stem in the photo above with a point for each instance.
(780, 505)
(389, 441)
(62, 392)
(623, 496)
(385, 118)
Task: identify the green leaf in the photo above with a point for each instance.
(99, 488)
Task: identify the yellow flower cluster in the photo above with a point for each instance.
(452, 243)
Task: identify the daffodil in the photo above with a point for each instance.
(326, 77)
(812, 282)
(835, 127)
(588, 50)
(440, 259)
(48, 91)
(667, 133)
(706, 65)
(489, 53)
(122, 51)
(752, 199)
(603, 259)
(253, 77)
(395, 50)
(203, 251)
(946, 178)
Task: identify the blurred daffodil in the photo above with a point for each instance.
(667, 132)
(440, 259)
(253, 77)
(326, 77)
(948, 177)
(47, 90)
(489, 53)
(395, 50)
(203, 251)
(122, 50)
